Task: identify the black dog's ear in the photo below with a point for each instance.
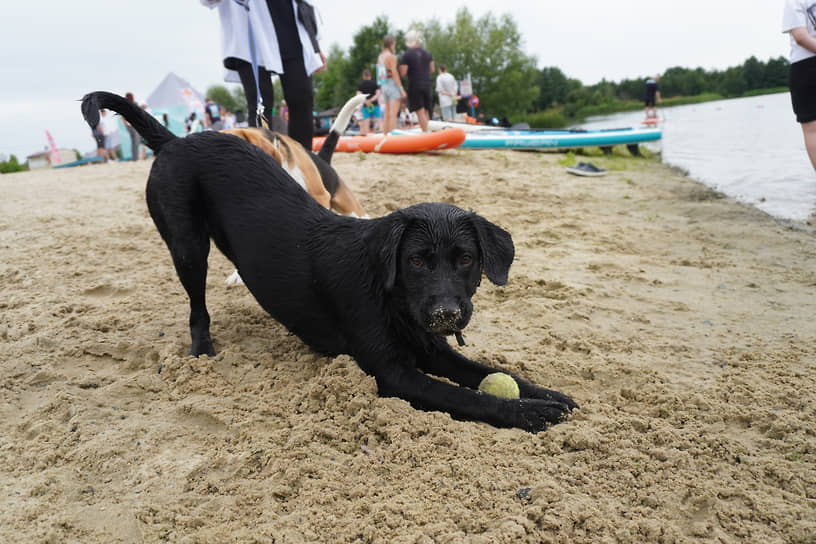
(383, 242)
(496, 247)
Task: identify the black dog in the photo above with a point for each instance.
(386, 291)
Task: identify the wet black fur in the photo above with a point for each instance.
(385, 291)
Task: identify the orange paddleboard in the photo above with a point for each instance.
(398, 143)
(650, 121)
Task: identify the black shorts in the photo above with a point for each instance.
(100, 139)
(803, 89)
(650, 101)
(420, 98)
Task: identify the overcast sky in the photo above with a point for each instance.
(54, 51)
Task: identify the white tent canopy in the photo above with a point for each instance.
(175, 92)
(174, 97)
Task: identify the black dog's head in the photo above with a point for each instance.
(431, 258)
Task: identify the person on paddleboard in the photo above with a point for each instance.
(652, 97)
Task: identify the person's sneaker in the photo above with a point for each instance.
(586, 169)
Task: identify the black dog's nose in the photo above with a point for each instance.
(445, 319)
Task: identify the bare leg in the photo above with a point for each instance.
(809, 130)
(391, 111)
(422, 115)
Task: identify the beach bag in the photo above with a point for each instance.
(306, 16)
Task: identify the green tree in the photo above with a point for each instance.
(631, 89)
(553, 87)
(367, 46)
(776, 72)
(694, 83)
(601, 93)
(231, 99)
(489, 49)
(754, 73)
(671, 82)
(344, 71)
(12, 165)
(732, 83)
(332, 84)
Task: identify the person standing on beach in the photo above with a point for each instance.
(284, 41)
(417, 65)
(371, 106)
(212, 114)
(135, 138)
(446, 88)
(799, 20)
(110, 129)
(390, 83)
(652, 97)
(99, 137)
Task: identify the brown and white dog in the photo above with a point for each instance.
(313, 172)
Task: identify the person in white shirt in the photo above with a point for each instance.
(799, 20)
(228, 117)
(446, 88)
(110, 128)
(284, 40)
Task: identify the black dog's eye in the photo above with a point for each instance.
(465, 260)
(416, 260)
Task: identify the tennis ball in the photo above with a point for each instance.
(501, 385)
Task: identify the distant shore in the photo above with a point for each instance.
(680, 320)
(554, 117)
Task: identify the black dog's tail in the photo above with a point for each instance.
(154, 134)
(339, 126)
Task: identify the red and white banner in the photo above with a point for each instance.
(55, 158)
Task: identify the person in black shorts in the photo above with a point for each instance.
(652, 96)
(417, 65)
(99, 136)
(212, 114)
(799, 20)
(371, 107)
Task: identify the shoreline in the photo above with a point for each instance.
(679, 320)
(803, 225)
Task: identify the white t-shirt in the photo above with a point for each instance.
(445, 82)
(110, 124)
(799, 13)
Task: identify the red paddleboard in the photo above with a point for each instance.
(650, 121)
(398, 143)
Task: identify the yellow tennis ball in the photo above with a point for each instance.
(501, 385)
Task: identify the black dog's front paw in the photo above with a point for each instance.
(534, 415)
(202, 346)
(535, 392)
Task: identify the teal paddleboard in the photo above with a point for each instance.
(559, 139)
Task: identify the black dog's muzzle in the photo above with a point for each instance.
(447, 320)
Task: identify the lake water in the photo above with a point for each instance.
(748, 148)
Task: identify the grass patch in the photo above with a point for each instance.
(618, 160)
(770, 90)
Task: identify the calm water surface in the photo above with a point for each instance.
(748, 148)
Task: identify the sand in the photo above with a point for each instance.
(681, 321)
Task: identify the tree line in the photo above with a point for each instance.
(509, 83)
(677, 85)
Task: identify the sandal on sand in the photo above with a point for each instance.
(586, 169)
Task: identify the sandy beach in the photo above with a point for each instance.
(681, 321)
